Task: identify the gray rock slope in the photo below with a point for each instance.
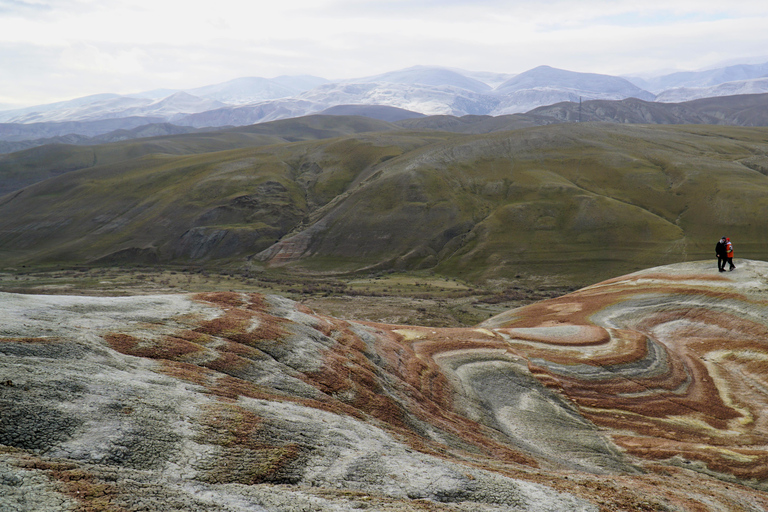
(83, 424)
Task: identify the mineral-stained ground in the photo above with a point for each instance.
(645, 392)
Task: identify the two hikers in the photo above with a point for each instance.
(724, 253)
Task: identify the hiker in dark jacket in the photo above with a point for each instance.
(721, 253)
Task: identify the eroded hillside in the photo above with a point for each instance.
(645, 392)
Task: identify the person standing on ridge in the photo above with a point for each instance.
(721, 253)
(729, 253)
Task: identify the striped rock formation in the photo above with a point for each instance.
(645, 392)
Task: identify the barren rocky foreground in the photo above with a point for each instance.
(645, 392)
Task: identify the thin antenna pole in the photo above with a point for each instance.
(579, 108)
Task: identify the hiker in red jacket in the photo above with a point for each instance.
(729, 253)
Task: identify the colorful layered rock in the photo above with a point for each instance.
(646, 392)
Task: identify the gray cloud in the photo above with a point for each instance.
(21, 8)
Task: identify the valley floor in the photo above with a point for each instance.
(398, 298)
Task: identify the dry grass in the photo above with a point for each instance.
(169, 347)
(90, 492)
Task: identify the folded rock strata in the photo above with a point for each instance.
(645, 392)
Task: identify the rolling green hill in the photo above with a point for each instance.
(578, 201)
(23, 168)
(587, 200)
(201, 207)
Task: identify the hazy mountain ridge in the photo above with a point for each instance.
(740, 110)
(705, 78)
(428, 76)
(586, 83)
(120, 107)
(255, 89)
(424, 89)
(751, 86)
(381, 112)
(17, 132)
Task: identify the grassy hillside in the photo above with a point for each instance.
(587, 201)
(221, 205)
(580, 201)
(24, 168)
(476, 124)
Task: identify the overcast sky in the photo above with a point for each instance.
(54, 50)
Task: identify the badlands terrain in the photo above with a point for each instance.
(643, 392)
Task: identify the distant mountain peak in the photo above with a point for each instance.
(590, 85)
(429, 75)
(180, 95)
(426, 89)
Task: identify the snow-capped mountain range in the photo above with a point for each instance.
(422, 89)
